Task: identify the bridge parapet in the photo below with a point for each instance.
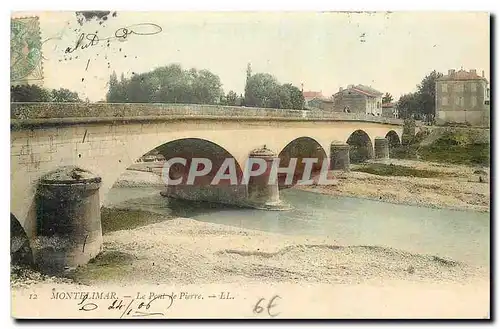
(40, 113)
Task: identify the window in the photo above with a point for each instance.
(474, 100)
(457, 100)
(444, 88)
(462, 102)
(459, 88)
(473, 87)
(378, 105)
(444, 101)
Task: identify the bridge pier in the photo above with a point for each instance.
(69, 220)
(339, 156)
(381, 148)
(260, 193)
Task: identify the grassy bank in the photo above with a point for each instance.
(451, 145)
(396, 170)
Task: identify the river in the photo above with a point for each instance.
(460, 235)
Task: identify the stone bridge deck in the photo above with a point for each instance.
(29, 114)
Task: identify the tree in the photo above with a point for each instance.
(387, 98)
(296, 96)
(64, 95)
(421, 104)
(249, 71)
(264, 90)
(426, 91)
(231, 98)
(29, 93)
(168, 84)
(34, 93)
(408, 105)
(116, 92)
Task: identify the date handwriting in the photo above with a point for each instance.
(132, 308)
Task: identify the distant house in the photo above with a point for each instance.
(311, 98)
(389, 110)
(316, 100)
(358, 99)
(462, 97)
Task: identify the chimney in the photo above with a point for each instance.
(340, 89)
(482, 74)
(451, 72)
(473, 71)
(350, 86)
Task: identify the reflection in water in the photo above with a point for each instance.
(460, 235)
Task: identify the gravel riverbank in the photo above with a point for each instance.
(186, 251)
(182, 252)
(457, 188)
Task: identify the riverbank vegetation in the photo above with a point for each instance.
(382, 169)
(465, 146)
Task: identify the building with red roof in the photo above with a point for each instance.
(462, 97)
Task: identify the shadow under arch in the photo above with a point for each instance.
(361, 147)
(393, 139)
(189, 148)
(20, 249)
(301, 148)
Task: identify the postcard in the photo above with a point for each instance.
(250, 165)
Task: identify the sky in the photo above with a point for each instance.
(390, 52)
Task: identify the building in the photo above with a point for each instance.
(312, 99)
(462, 97)
(358, 99)
(389, 110)
(316, 100)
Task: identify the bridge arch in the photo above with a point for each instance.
(361, 146)
(189, 148)
(301, 148)
(393, 138)
(221, 161)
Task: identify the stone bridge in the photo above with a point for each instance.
(105, 139)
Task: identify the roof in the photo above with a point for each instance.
(368, 90)
(364, 90)
(312, 94)
(322, 99)
(388, 104)
(462, 75)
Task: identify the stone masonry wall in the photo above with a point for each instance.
(95, 112)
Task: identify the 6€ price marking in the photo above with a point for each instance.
(271, 304)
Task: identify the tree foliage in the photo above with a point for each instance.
(264, 90)
(420, 104)
(168, 84)
(387, 98)
(232, 98)
(34, 93)
(426, 92)
(65, 95)
(408, 105)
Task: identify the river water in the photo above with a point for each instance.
(459, 235)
